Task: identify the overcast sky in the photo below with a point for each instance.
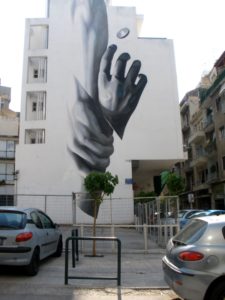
(195, 26)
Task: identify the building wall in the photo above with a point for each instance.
(9, 130)
(152, 133)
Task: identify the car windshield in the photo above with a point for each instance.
(201, 214)
(191, 233)
(12, 220)
(181, 213)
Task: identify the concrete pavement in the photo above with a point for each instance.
(141, 278)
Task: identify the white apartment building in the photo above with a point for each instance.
(9, 135)
(60, 108)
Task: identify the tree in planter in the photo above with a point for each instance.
(98, 185)
(175, 183)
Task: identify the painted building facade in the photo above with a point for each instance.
(95, 96)
(9, 136)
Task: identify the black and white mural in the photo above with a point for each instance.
(108, 94)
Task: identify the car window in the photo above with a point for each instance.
(47, 222)
(12, 220)
(188, 216)
(202, 214)
(181, 213)
(36, 219)
(191, 233)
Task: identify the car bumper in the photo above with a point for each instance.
(15, 256)
(188, 284)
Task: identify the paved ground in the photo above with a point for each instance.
(141, 278)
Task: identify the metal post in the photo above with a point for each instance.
(66, 262)
(145, 238)
(45, 203)
(119, 262)
(74, 208)
(73, 249)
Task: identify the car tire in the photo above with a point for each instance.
(33, 267)
(218, 292)
(59, 249)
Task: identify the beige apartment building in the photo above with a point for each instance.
(203, 128)
(9, 135)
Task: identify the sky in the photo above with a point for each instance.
(195, 26)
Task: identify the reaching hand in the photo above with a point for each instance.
(119, 95)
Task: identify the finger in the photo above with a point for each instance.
(142, 82)
(106, 61)
(133, 71)
(120, 66)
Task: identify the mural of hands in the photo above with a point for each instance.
(119, 94)
(105, 101)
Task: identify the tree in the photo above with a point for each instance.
(175, 184)
(98, 185)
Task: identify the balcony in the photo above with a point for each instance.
(212, 177)
(200, 159)
(209, 123)
(200, 185)
(211, 148)
(197, 136)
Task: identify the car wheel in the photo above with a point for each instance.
(33, 267)
(59, 249)
(218, 292)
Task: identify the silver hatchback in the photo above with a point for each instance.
(194, 264)
(27, 235)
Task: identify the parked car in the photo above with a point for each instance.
(185, 214)
(194, 264)
(27, 236)
(210, 212)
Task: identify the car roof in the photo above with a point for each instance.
(15, 208)
(214, 219)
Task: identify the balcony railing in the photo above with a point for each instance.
(210, 148)
(212, 176)
(197, 136)
(204, 93)
(208, 121)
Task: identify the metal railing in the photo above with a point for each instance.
(77, 238)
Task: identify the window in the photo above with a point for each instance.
(38, 37)
(6, 172)
(36, 219)
(36, 105)
(2, 104)
(223, 162)
(37, 69)
(7, 149)
(220, 104)
(35, 73)
(46, 221)
(6, 200)
(222, 133)
(35, 136)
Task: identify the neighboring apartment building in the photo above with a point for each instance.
(54, 78)
(9, 136)
(206, 142)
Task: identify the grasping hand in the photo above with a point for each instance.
(91, 142)
(119, 95)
